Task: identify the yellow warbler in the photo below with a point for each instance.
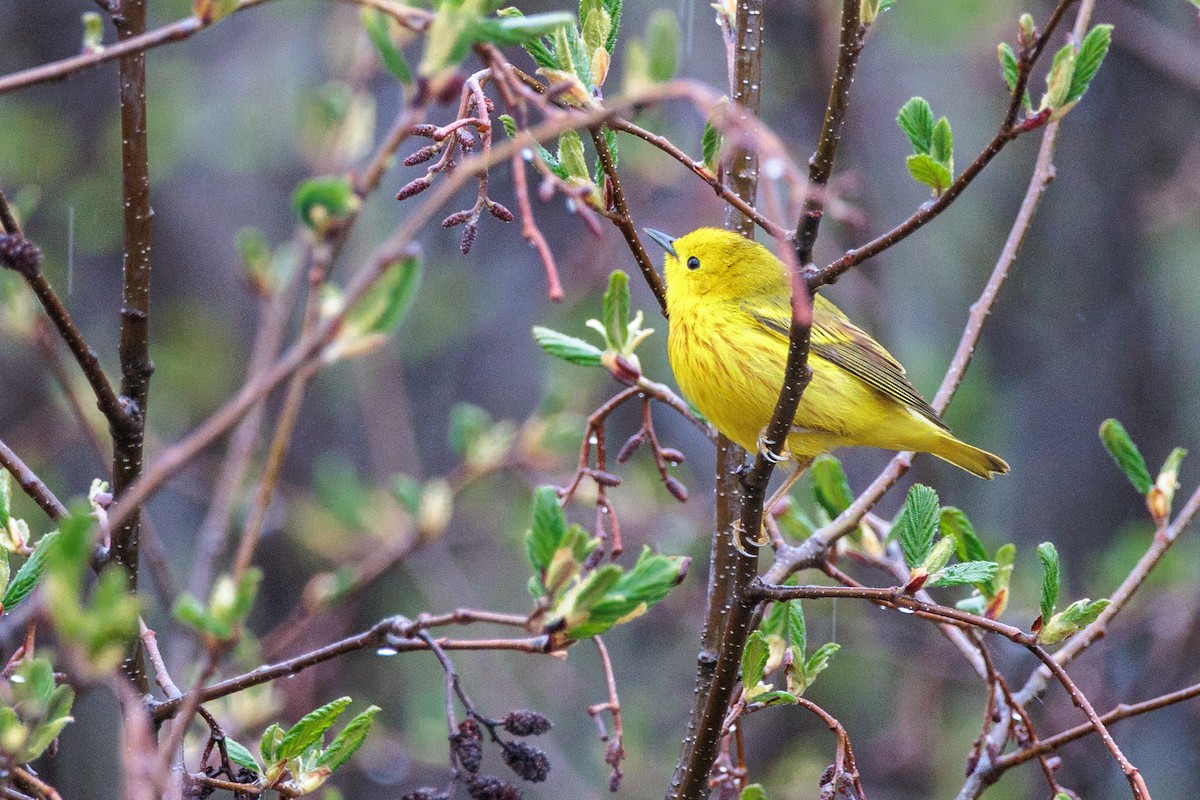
(728, 301)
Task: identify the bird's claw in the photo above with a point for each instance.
(740, 540)
(764, 449)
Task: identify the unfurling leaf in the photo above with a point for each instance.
(1123, 451)
(310, 729)
(239, 755)
(1071, 619)
(570, 155)
(942, 144)
(754, 659)
(917, 523)
(321, 201)
(616, 310)
(1051, 578)
(26, 579)
(662, 42)
(925, 169)
(916, 120)
(1008, 65)
(954, 523)
(348, 741)
(968, 572)
(1091, 54)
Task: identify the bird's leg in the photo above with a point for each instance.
(802, 465)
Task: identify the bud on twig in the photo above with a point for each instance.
(20, 254)
(468, 237)
(422, 155)
(414, 188)
(458, 218)
(527, 761)
(676, 488)
(630, 447)
(467, 745)
(500, 212)
(523, 722)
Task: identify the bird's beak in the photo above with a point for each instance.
(662, 240)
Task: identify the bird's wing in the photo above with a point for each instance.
(839, 341)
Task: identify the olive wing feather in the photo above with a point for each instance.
(839, 341)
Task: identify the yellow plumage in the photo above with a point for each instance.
(727, 298)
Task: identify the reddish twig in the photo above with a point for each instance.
(614, 753)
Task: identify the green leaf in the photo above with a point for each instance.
(568, 348)
(1005, 555)
(350, 739)
(268, 745)
(318, 201)
(916, 120)
(1125, 453)
(616, 310)
(924, 169)
(239, 755)
(710, 146)
(796, 631)
(774, 696)
(1071, 619)
(819, 660)
(542, 55)
(594, 20)
(1048, 555)
(33, 686)
(1008, 65)
(467, 423)
(570, 155)
(917, 523)
(29, 573)
(192, 612)
(753, 792)
(754, 659)
(954, 523)
(518, 30)
(309, 730)
(938, 556)
(662, 43)
(407, 491)
(548, 530)
(41, 738)
(385, 305)
(1091, 54)
(830, 486)
(613, 7)
(942, 144)
(637, 591)
(968, 572)
(389, 54)
(1058, 79)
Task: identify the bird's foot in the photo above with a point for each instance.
(743, 543)
(764, 449)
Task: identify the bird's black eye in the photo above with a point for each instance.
(693, 263)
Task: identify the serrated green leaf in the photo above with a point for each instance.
(924, 169)
(1048, 555)
(968, 572)
(595, 22)
(954, 523)
(773, 696)
(916, 120)
(568, 348)
(309, 730)
(616, 310)
(1008, 65)
(548, 529)
(41, 737)
(1071, 619)
(389, 54)
(1091, 54)
(613, 7)
(773, 623)
(942, 144)
(317, 201)
(662, 43)
(538, 47)
(637, 591)
(349, 740)
(239, 755)
(518, 30)
(1126, 455)
(754, 659)
(917, 523)
(830, 486)
(797, 633)
(819, 660)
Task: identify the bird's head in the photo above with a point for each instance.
(720, 264)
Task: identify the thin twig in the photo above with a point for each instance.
(31, 484)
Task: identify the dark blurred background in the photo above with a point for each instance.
(1099, 319)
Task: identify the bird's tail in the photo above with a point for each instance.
(964, 456)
